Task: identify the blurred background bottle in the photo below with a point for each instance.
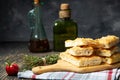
(38, 40)
(64, 28)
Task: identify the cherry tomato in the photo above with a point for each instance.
(12, 69)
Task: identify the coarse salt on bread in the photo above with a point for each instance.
(108, 41)
(81, 42)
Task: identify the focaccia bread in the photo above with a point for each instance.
(80, 51)
(107, 52)
(81, 61)
(113, 59)
(69, 43)
(82, 42)
(108, 41)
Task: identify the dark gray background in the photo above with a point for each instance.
(95, 18)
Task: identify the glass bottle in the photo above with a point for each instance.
(38, 40)
(64, 28)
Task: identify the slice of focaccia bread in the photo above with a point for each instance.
(81, 61)
(107, 52)
(113, 59)
(108, 41)
(82, 42)
(69, 43)
(80, 51)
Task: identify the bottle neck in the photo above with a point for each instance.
(39, 27)
(65, 18)
(36, 5)
(64, 14)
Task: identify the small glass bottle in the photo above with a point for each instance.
(64, 28)
(38, 40)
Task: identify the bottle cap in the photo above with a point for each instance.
(64, 6)
(65, 10)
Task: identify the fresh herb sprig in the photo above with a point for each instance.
(30, 61)
(51, 59)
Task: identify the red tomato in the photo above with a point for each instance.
(12, 69)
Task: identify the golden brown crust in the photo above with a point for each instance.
(103, 42)
(107, 52)
(80, 51)
(81, 61)
(82, 42)
(113, 59)
(108, 41)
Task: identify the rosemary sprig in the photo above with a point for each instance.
(51, 59)
(30, 61)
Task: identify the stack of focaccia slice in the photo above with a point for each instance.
(110, 50)
(90, 52)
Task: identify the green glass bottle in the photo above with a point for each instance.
(64, 28)
(38, 40)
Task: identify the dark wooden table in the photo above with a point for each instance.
(15, 52)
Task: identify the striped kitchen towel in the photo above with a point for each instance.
(113, 74)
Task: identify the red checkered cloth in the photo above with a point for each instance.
(101, 75)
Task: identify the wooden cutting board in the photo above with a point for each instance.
(62, 65)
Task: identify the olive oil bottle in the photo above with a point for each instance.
(64, 28)
(38, 41)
